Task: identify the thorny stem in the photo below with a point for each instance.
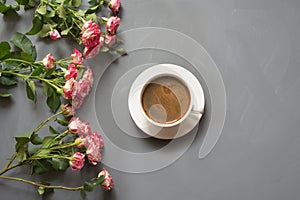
(11, 167)
(42, 185)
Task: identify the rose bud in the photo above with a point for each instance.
(54, 35)
(107, 183)
(77, 161)
(114, 5)
(112, 25)
(48, 61)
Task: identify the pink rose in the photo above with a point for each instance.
(115, 5)
(90, 34)
(54, 35)
(85, 84)
(69, 88)
(74, 125)
(79, 142)
(77, 101)
(85, 129)
(68, 110)
(79, 127)
(48, 61)
(94, 143)
(94, 155)
(77, 161)
(72, 72)
(110, 40)
(76, 57)
(90, 52)
(112, 25)
(107, 183)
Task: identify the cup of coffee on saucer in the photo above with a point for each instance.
(166, 101)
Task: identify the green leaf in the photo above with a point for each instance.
(44, 31)
(37, 71)
(66, 31)
(53, 130)
(48, 142)
(26, 57)
(4, 8)
(100, 180)
(121, 51)
(50, 14)
(44, 88)
(5, 49)
(82, 194)
(20, 40)
(42, 10)
(22, 2)
(75, 3)
(22, 153)
(5, 95)
(32, 150)
(37, 25)
(23, 139)
(41, 190)
(7, 81)
(42, 152)
(93, 2)
(62, 122)
(30, 90)
(53, 100)
(30, 4)
(36, 140)
(88, 186)
(40, 166)
(49, 72)
(92, 9)
(80, 13)
(61, 12)
(59, 164)
(92, 17)
(44, 190)
(104, 49)
(27, 135)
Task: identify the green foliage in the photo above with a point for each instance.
(21, 146)
(37, 25)
(30, 90)
(27, 4)
(59, 164)
(53, 99)
(44, 190)
(87, 186)
(62, 122)
(5, 49)
(20, 40)
(5, 95)
(7, 81)
(53, 130)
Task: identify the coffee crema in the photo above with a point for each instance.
(165, 99)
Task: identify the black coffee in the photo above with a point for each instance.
(165, 99)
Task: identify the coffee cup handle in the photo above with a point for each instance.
(196, 110)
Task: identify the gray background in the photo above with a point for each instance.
(255, 46)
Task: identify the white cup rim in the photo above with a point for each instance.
(162, 74)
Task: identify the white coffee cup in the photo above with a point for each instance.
(188, 111)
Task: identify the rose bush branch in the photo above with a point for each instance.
(59, 150)
(59, 18)
(52, 74)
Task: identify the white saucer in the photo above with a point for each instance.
(184, 127)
